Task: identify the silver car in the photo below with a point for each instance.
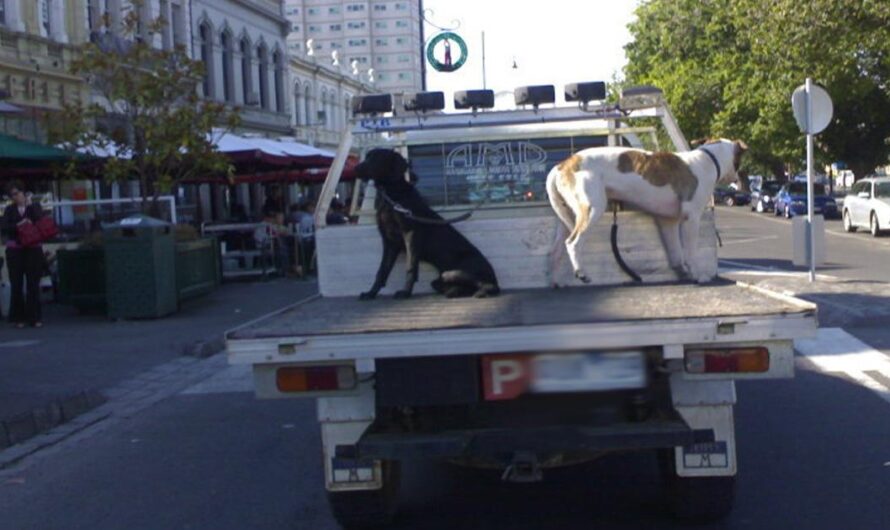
(867, 205)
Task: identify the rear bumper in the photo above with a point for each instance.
(829, 212)
(501, 443)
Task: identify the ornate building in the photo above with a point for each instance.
(37, 42)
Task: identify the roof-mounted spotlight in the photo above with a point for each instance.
(474, 99)
(424, 101)
(586, 92)
(535, 95)
(643, 96)
(372, 104)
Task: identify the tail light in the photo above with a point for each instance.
(315, 378)
(729, 360)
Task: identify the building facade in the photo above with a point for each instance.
(243, 44)
(322, 99)
(37, 45)
(382, 39)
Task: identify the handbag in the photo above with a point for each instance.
(29, 235)
(47, 228)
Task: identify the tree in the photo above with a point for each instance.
(729, 68)
(146, 112)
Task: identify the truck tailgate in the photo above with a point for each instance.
(522, 320)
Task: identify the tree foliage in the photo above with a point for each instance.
(729, 68)
(146, 112)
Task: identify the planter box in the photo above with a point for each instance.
(82, 273)
(82, 279)
(197, 268)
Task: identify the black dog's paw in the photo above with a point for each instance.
(367, 296)
(438, 285)
(400, 295)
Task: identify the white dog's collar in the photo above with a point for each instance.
(714, 160)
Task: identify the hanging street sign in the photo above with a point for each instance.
(448, 63)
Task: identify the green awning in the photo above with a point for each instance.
(19, 151)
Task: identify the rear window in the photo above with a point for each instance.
(491, 172)
(801, 188)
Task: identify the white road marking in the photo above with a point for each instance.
(838, 233)
(19, 343)
(740, 268)
(749, 240)
(836, 351)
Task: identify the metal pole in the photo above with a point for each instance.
(484, 79)
(811, 232)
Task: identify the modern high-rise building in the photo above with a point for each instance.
(382, 39)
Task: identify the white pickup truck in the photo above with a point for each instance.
(536, 377)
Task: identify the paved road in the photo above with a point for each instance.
(763, 240)
(190, 449)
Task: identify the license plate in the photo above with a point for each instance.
(509, 376)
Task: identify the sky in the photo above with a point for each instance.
(556, 42)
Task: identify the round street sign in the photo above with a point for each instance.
(822, 108)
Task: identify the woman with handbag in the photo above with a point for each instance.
(24, 258)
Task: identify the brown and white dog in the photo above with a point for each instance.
(674, 187)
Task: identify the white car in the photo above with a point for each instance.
(867, 205)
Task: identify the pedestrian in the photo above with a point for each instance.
(25, 264)
(306, 238)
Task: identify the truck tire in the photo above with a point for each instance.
(699, 499)
(359, 510)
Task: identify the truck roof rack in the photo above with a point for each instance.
(398, 121)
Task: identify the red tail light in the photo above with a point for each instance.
(729, 360)
(315, 378)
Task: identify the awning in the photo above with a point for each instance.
(18, 150)
(279, 152)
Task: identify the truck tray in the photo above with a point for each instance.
(521, 308)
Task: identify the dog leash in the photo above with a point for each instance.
(427, 220)
(617, 253)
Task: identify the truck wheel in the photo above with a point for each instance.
(370, 508)
(696, 498)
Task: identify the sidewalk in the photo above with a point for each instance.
(80, 355)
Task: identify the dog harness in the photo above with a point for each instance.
(410, 215)
(714, 160)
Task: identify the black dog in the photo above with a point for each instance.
(408, 224)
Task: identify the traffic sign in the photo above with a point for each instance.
(821, 108)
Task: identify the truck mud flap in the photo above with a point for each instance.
(494, 442)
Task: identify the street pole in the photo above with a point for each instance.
(484, 80)
(811, 233)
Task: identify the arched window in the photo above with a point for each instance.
(246, 72)
(278, 61)
(228, 66)
(307, 104)
(298, 104)
(347, 110)
(262, 56)
(205, 35)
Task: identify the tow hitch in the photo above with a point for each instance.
(524, 468)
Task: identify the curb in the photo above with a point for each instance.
(22, 427)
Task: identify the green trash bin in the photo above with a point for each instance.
(140, 268)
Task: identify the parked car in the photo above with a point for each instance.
(867, 205)
(792, 200)
(763, 199)
(730, 197)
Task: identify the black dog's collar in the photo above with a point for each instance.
(714, 160)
